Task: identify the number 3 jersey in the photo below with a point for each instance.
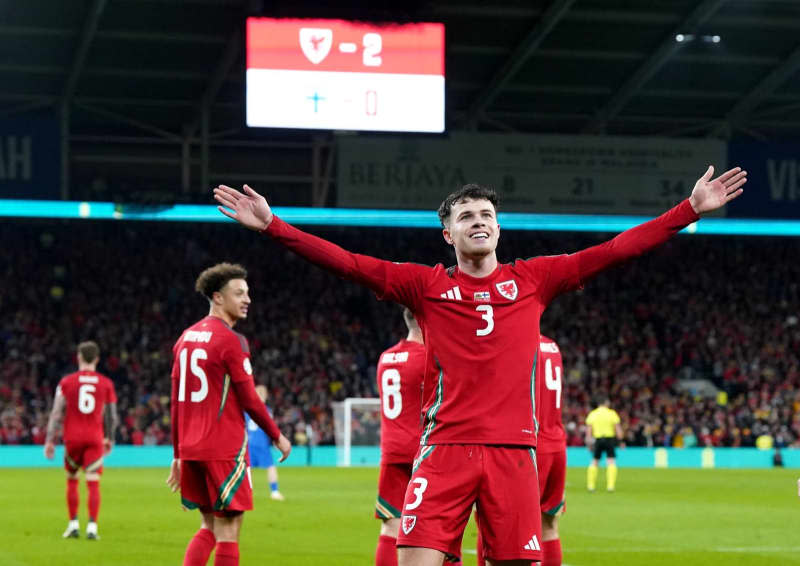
(481, 334)
(86, 394)
(400, 372)
(208, 357)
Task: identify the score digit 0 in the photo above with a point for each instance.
(371, 102)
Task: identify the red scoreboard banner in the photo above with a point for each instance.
(335, 74)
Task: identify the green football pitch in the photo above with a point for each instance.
(656, 517)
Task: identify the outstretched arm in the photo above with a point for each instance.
(54, 424)
(571, 271)
(388, 280)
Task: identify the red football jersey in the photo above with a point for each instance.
(549, 396)
(401, 369)
(208, 356)
(86, 394)
(481, 334)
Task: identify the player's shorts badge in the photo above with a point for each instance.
(508, 289)
(408, 523)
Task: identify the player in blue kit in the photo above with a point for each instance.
(260, 449)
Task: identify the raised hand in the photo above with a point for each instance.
(249, 209)
(710, 194)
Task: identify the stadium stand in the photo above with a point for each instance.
(700, 310)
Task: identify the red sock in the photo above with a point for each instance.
(72, 498)
(94, 499)
(199, 548)
(551, 552)
(386, 553)
(227, 554)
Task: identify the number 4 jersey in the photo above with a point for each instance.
(86, 394)
(549, 396)
(209, 356)
(401, 370)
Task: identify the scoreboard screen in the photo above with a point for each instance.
(341, 75)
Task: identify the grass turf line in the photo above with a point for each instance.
(656, 517)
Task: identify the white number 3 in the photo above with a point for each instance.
(418, 491)
(488, 316)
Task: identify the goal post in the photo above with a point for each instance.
(357, 430)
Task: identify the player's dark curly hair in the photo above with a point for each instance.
(471, 191)
(216, 277)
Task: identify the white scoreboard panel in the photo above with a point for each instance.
(334, 74)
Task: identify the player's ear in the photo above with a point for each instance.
(447, 237)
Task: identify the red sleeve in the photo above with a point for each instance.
(399, 282)
(250, 402)
(173, 410)
(568, 272)
(236, 357)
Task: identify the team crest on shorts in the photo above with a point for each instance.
(508, 289)
(408, 523)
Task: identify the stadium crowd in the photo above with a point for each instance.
(699, 308)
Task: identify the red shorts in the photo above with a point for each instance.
(79, 455)
(449, 478)
(392, 484)
(221, 486)
(552, 479)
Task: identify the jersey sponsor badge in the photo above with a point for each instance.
(508, 289)
(248, 369)
(408, 523)
(482, 296)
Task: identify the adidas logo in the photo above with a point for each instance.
(533, 544)
(453, 294)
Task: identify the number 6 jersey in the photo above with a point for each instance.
(86, 394)
(401, 369)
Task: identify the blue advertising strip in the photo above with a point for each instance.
(382, 218)
(773, 180)
(30, 156)
(577, 457)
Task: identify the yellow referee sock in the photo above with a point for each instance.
(591, 477)
(611, 477)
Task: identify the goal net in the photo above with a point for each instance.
(357, 429)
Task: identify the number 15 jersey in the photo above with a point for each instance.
(401, 370)
(208, 356)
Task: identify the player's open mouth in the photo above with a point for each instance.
(479, 236)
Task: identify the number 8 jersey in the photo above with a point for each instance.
(401, 370)
(208, 357)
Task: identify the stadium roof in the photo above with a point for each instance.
(138, 72)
